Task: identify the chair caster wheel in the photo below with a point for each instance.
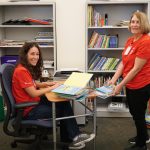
(13, 144)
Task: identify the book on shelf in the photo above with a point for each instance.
(104, 59)
(122, 23)
(93, 58)
(98, 64)
(112, 61)
(90, 15)
(99, 41)
(93, 39)
(113, 41)
(75, 86)
(114, 64)
(40, 21)
(95, 61)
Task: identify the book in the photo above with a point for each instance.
(93, 39)
(74, 85)
(66, 89)
(78, 79)
(104, 91)
(78, 97)
(92, 59)
(40, 21)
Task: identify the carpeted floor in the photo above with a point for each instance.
(112, 134)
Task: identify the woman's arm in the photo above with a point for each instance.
(138, 65)
(33, 92)
(44, 84)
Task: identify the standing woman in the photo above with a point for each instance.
(135, 69)
(26, 88)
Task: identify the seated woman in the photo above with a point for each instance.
(26, 88)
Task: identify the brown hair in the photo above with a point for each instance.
(35, 71)
(144, 22)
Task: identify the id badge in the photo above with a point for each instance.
(128, 49)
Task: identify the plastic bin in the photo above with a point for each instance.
(12, 59)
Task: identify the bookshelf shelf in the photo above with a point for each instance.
(106, 34)
(17, 46)
(106, 49)
(28, 21)
(26, 26)
(102, 71)
(109, 27)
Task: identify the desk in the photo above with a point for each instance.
(52, 97)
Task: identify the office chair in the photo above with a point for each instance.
(14, 125)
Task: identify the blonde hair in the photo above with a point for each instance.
(144, 22)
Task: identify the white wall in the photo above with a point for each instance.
(70, 27)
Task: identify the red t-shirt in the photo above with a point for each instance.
(140, 49)
(23, 79)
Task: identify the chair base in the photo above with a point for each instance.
(40, 144)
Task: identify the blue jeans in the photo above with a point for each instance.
(68, 127)
(137, 100)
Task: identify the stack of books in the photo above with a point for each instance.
(44, 38)
(123, 23)
(104, 91)
(74, 87)
(39, 21)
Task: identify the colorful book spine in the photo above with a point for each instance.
(92, 59)
(93, 39)
(94, 62)
(114, 64)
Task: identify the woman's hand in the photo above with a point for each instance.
(117, 89)
(55, 85)
(50, 83)
(110, 82)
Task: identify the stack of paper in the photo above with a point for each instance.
(74, 86)
(104, 91)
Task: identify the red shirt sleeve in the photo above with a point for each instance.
(144, 50)
(25, 79)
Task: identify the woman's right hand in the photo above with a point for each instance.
(110, 82)
(55, 86)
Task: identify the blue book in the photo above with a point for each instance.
(106, 89)
(65, 89)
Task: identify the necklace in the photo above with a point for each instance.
(137, 37)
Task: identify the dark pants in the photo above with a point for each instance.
(137, 101)
(68, 127)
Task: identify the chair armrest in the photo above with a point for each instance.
(19, 116)
(23, 105)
